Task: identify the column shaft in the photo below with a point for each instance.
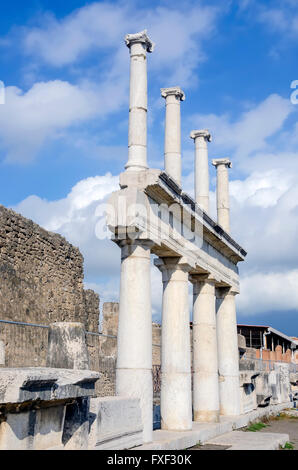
(176, 409)
(205, 360)
(223, 196)
(173, 97)
(139, 44)
(201, 138)
(228, 354)
(134, 356)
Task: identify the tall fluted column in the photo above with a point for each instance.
(228, 354)
(223, 197)
(173, 97)
(176, 409)
(205, 361)
(139, 44)
(201, 138)
(134, 356)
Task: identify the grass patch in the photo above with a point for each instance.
(288, 446)
(254, 427)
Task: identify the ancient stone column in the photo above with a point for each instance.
(134, 356)
(67, 347)
(201, 139)
(173, 97)
(223, 197)
(228, 354)
(176, 408)
(139, 44)
(205, 361)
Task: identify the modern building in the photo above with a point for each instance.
(270, 343)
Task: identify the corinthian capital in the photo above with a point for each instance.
(201, 133)
(222, 161)
(140, 37)
(175, 90)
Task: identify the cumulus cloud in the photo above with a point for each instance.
(264, 219)
(50, 110)
(264, 202)
(264, 216)
(45, 111)
(268, 293)
(178, 36)
(251, 131)
(75, 218)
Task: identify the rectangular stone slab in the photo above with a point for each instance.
(45, 384)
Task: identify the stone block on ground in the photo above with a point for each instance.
(34, 407)
(115, 423)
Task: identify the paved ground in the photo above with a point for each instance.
(280, 425)
(284, 426)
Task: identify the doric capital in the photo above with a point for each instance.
(222, 292)
(174, 269)
(222, 161)
(175, 90)
(140, 37)
(204, 278)
(201, 133)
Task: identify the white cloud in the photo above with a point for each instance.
(62, 42)
(102, 27)
(251, 131)
(50, 110)
(262, 188)
(266, 226)
(74, 218)
(29, 119)
(268, 293)
(264, 214)
(282, 18)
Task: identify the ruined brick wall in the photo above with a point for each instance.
(91, 302)
(41, 276)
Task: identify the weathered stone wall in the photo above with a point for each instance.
(24, 346)
(41, 276)
(91, 303)
(156, 342)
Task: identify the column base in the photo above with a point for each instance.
(176, 413)
(206, 416)
(229, 388)
(137, 383)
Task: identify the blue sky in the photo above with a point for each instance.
(63, 128)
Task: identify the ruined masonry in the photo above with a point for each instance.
(42, 276)
(208, 375)
(148, 213)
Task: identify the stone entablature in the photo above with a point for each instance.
(213, 251)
